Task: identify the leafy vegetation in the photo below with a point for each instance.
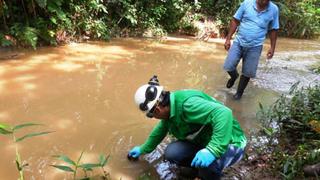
(293, 121)
(74, 166)
(8, 130)
(315, 68)
(42, 22)
(300, 19)
(221, 10)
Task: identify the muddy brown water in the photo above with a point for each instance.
(84, 93)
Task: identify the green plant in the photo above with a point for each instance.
(300, 19)
(3, 41)
(37, 22)
(293, 163)
(315, 68)
(187, 24)
(294, 121)
(26, 34)
(221, 10)
(10, 131)
(74, 166)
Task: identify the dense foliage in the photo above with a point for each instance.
(294, 122)
(28, 22)
(34, 22)
(299, 18)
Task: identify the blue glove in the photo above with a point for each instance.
(135, 152)
(203, 158)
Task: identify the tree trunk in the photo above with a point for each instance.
(25, 12)
(34, 9)
(2, 3)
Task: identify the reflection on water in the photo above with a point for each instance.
(84, 92)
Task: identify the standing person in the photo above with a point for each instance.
(254, 19)
(208, 137)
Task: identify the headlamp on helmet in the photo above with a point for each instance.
(148, 95)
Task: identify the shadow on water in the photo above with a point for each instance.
(84, 92)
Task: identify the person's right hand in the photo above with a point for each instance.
(227, 44)
(135, 152)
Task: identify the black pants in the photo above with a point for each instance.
(183, 152)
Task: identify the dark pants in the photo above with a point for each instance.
(183, 152)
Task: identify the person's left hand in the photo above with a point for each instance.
(203, 158)
(227, 44)
(270, 54)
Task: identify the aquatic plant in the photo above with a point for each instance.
(8, 130)
(73, 166)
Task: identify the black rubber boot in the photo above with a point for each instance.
(242, 85)
(233, 77)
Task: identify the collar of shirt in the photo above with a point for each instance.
(256, 8)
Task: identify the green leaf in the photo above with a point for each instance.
(103, 160)
(4, 41)
(24, 125)
(78, 161)
(5, 129)
(63, 168)
(286, 166)
(66, 159)
(268, 131)
(89, 166)
(294, 87)
(32, 135)
(51, 33)
(260, 106)
(18, 166)
(53, 20)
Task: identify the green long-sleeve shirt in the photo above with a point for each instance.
(189, 111)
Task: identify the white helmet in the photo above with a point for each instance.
(147, 95)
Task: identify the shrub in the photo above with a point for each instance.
(294, 120)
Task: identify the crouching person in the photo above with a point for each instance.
(209, 138)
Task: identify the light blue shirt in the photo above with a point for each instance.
(255, 25)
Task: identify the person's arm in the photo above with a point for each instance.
(234, 23)
(221, 120)
(273, 30)
(156, 136)
(199, 110)
(273, 41)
